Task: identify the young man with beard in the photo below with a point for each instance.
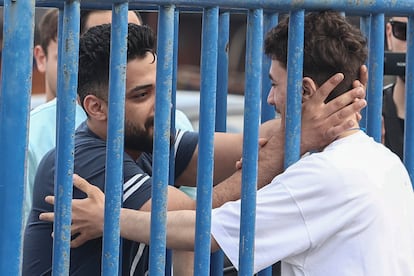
(346, 210)
(90, 148)
(393, 111)
(42, 129)
(42, 123)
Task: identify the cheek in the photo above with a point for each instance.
(279, 98)
(51, 67)
(134, 114)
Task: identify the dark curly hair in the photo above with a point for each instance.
(331, 45)
(94, 53)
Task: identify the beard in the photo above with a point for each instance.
(139, 139)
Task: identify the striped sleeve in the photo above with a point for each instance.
(137, 185)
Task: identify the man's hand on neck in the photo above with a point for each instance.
(322, 123)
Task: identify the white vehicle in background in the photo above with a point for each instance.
(189, 102)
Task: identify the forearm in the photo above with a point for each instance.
(228, 149)
(135, 225)
(183, 262)
(271, 158)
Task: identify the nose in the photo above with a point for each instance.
(270, 97)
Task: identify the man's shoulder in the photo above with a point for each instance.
(333, 157)
(85, 137)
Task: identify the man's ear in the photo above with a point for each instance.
(95, 107)
(388, 34)
(40, 57)
(309, 88)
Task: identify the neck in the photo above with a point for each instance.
(97, 128)
(49, 97)
(49, 94)
(349, 131)
(100, 131)
(133, 153)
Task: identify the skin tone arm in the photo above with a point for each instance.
(135, 225)
(88, 219)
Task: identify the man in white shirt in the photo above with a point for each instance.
(346, 210)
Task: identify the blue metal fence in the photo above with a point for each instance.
(15, 101)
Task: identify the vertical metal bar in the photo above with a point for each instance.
(161, 139)
(217, 258)
(115, 141)
(268, 112)
(168, 257)
(222, 71)
(409, 101)
(206, 140)
(254, 53)
(66, 103)
(375, 81)
(294, 87)
(59, 75)
(270, 20)
(365, 23)
(174, 73)
(16, 81)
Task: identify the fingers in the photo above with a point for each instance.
(50, 216)
(363, 79)
(354, 97)
(343, 119)
(78, 241)
(239, 164)
(47, 216)
(327, 87)
(363, 75)
(50, 200)
(83, 185)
